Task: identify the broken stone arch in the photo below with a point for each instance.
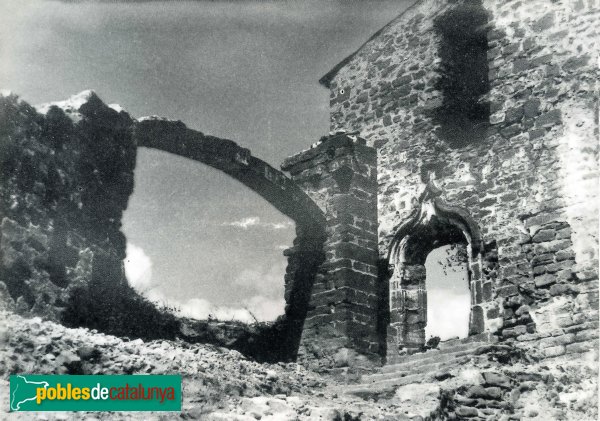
(304, 257)
(433, 224)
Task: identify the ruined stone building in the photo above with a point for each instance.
(481, 126)
(463, 123)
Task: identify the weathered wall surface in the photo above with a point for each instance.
(528, 175)
(67, 174)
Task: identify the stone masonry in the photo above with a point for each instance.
(339, 174)
(464, 123)
(66, 179)
(520, 158)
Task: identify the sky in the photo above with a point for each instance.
(243, 70)
(448, 297)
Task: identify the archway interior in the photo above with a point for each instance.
(411, 307)
(203, 243)
(448, 294)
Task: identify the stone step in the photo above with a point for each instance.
(486, 337)
(422, 370)
(404, 359)
(431, 356)
(392, 380)
(421, 367)
(472, 342)
(388, 383)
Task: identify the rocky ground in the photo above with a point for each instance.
(220, 384)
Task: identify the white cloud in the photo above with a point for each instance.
(280, 225)
(199, 308)
(156, 295)
(244, 223)
(262, 308)
(448, 295)
(266, 303)
(264, 288)
(263, 281)
(254, 221)
(138, 267)
(266, 309)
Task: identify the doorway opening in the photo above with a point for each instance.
(435, 284)
(448, 294)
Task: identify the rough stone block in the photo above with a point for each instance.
(559, 289)
(510, 131)
(491, 378)
(466, 411)
(557, 340)
(542, 259)
(492, 313)
(565, 255)
(476, 392)
(548, 119)
(497, 118)
(545, 280)
(402, 80)
(353, 279)
(514, 331)
(544, 235)
(507, 291)
(477, 322)
(581, 347)
(520, 65)
(555, 351)
(514, 114)
(575, 63)
(551, 246)
(544, 23)
(585, 335)
(355, 252)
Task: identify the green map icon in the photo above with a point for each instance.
(23, 390)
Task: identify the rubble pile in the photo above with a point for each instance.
(494, 383)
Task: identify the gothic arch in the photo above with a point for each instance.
(432, 224)
(430, 204)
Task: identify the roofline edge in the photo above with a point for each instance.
(330, 75)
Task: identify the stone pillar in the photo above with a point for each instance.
(413, 306)
(408, 311)
(339, 173)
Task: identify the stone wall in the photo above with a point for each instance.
(67, 175)
(525, 168)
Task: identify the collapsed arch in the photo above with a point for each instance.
(227, 156)
(306, 255)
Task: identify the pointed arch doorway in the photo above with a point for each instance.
(433, 225)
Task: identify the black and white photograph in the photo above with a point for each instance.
(280, 210)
